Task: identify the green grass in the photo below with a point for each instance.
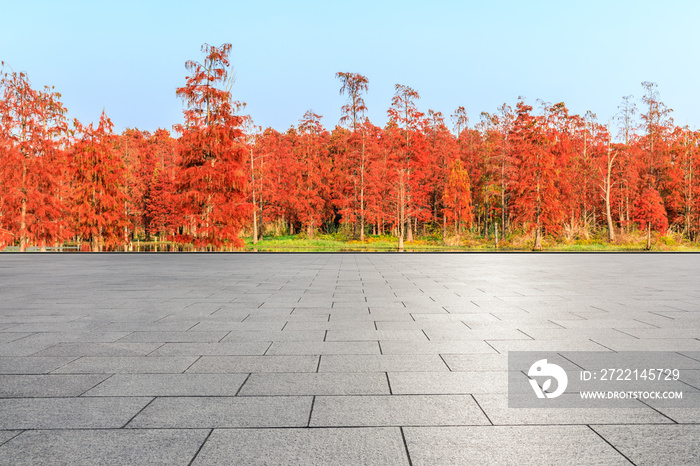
(338, 243)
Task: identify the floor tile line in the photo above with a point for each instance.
(405, 445)
(242, 385)
(611, 445)
(311, 411)
(482, 409)
(200, 447)
(140, 411)
(98, 383)
(193, 363)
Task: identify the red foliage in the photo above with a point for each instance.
(212, 177)
(99, 204)
(32, 132)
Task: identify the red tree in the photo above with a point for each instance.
(536, 199)
(212, 177)
(32, 135)
(98, 199)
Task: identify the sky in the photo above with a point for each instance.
(128, 57)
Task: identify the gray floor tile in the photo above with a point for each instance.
(436, 347)
(543, 445)
(396, 410)
(243, 348)
(496, 408)
(92, 447)
(304, 447)
(651, 445)
(329, 383)
(6, 435)
(382, 363)
(323, 347)
(99, 349)
(214, 412)
(438, 383)
(32, 365)
(68, 413)
(173, 337)
(374, 335)
(169, 385)
(127, 365)
(30, 386)
(228, 364)
(269, 335)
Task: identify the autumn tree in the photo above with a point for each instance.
(212, 177)
(536, 197)
(354, 85)
(311, 190)
(656, 123)
(457, 197)
(160, 197)
(404, 114)
(98, 187)
(33, 128)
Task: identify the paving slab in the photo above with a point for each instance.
(496, 408)
(304, 447)
(99, 349)
(328, 383)
(381, 363)
(68, 413)
(651, 445)
(112, 446)
(32, 365)
(441, 383)
(174, 337)
(323, 347)
(127, 365)
(231, 348)
(247, 364)
(396, 410)
(216, 412)
(38, 386)
(509, 445)
(168, 385)
(6, 435)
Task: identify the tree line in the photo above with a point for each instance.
(515, 172)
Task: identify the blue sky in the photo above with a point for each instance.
(128, 57)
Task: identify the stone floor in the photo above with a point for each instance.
(318, 359)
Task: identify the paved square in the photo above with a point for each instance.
(330, 358)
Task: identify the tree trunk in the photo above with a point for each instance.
(648, 236)
(23, 240)
(608, 215)
(362, 190)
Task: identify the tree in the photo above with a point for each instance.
(354, 85)
(403, 113)
(99, 179)
(212, 153)
(32, 136)
(536, 197)
(628, 168)
(656, 123)
(310, 190)
(457, 197)
(650, 212)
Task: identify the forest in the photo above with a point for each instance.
(519, 178)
